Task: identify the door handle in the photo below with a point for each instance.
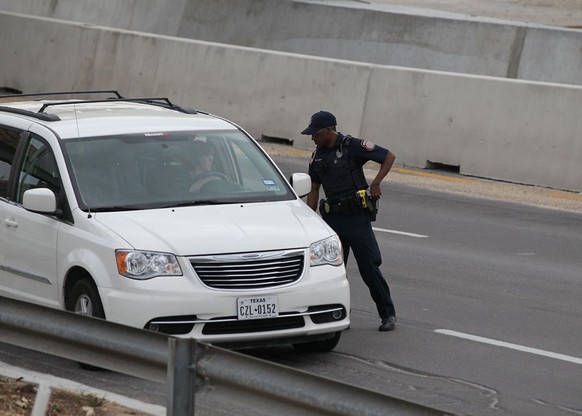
(10, 222)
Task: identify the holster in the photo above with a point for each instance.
(366, 202)
(373, 207)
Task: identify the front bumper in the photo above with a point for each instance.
(316, 305)
(317, 320)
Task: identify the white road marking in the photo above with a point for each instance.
(383, 230)
(516, 347)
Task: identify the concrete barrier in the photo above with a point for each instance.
(552, 56)
(510, 130)
(490, 127)
(155, 16)
(355, 34)
(362, 34)
(269, 93)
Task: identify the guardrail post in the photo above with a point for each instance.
(181, 376)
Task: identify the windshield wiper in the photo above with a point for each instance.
(174, 205)
(116, 208)
(198, 202)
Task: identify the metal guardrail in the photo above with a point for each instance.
(186, 365)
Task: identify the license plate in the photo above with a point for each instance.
(258, 307)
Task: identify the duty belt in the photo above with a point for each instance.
(349, 205)
(346, 206)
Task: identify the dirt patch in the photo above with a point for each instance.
(17, 399)
(64, 403)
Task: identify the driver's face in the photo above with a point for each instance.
(206, 162)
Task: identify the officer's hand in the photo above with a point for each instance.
(375, 191)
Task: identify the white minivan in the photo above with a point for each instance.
(149, 215)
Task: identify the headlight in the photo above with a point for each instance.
(144, 265)
(328, 251)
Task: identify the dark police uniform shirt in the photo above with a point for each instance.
(339, 168)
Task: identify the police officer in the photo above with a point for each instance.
(337, 164)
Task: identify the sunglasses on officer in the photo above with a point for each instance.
(319, 131)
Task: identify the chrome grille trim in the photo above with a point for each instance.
(248, 271)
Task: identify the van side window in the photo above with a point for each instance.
(39, 169)
(9, 140)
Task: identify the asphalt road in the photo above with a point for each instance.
(488, 301)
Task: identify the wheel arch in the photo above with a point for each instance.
(74, 275)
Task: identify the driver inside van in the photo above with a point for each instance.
(201, 171)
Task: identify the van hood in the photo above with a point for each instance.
(218, 229)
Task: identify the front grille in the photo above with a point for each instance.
(249, 271)
(255, 325)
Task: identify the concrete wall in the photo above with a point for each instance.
(506, 129)
(154, 16)
(357, 34)
(354, 34)
(510, 130)
(269, 93)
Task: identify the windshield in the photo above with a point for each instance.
(171, 169)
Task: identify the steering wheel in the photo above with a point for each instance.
(203, 178)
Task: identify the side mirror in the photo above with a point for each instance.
(301, 183)
(41, 200)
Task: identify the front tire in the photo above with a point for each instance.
(324, 345)
(84, 300)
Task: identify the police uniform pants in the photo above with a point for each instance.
(355, 232)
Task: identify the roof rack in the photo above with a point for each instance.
(157, 101)
(42, 94)
(41, 115)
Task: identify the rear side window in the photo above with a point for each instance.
(9, 140)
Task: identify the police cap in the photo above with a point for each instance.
(320, 120)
